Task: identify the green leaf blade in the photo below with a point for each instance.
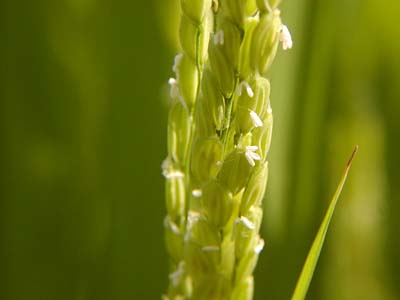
(307, 272)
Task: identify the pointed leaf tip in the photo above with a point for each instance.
(353, 154)
(307, 272)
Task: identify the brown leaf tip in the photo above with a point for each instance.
(353, 154)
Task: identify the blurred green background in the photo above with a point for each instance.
(83, 126)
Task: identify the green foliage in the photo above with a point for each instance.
(83, 133)
(306, 275)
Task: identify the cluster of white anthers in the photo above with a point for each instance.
(257, 122)
(251, 155)
(285, 36)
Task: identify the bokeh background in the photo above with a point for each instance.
(83, 134)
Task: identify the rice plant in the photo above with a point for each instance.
(219, 134)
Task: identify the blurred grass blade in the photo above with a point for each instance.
(309, 266)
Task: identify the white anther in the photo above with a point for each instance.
(192, 218)
(176, 276)
(171, 225)
(219, 37)
(174, 88)
(197, 193)
(248, 89)
(218, 163)
(247, 223)
(256, 119)
(210, 249)
(259, 247)
(168, 171)
(251, 156)
(177, 61)
(285, 38)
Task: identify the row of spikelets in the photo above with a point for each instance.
(219, 133)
